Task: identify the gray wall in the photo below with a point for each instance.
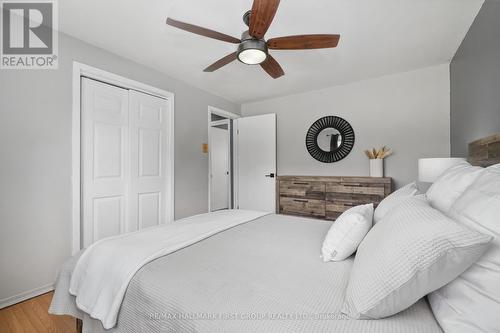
(35, 160)
(475, 81)
(408, 112)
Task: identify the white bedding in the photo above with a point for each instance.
(104, 271)
(270, 266)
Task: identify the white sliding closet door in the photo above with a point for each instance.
(148, 183)
(125, 173)
(105, 155)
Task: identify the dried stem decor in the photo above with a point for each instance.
(377, 157)
(378, 153)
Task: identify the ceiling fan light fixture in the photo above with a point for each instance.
(252, 52)
(252, 46)
(252, 56)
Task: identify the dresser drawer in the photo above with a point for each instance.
(340, 207)
(302, 189)
(354, 197)
(332, 216)
(355, 188)
(302, 207)
(335, 208)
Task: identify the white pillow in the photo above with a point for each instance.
(471, 303)
(414, 250)
(347, 232)
(393, 200)
(451, 184)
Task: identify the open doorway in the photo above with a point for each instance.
(220, 157)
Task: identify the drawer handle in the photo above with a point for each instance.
(300, 183)
(352, 185)
(304, 201)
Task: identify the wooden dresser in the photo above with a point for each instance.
(327, 197)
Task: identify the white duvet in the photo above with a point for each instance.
(104, 270)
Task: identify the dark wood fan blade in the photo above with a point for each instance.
(303, 42)
(263, 12)
(202, 31)
(272, 67)
(221, 62)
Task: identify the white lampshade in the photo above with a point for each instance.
(429, 169)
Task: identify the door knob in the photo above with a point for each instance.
(271, 175)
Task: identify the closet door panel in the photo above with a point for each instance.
(105, 160)
(150, 152)
(148, 182)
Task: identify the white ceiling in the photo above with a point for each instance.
(378, 37)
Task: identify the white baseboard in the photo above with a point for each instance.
(25, 295)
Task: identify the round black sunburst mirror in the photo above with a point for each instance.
(330, 139)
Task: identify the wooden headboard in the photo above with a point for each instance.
(485, 152)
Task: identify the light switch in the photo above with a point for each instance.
(204, 148)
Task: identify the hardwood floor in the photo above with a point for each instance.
(32, 316)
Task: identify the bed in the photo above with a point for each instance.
(263, 274)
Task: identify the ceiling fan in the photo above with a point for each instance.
(253, 49)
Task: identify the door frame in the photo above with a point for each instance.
(81, 70)
(232, 184)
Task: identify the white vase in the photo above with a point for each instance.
(377, 167)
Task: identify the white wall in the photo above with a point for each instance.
(35, 160)
(409, 112)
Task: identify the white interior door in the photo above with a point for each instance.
(125, 167)
(148, 151)
(256, 162)
(105, 155)
(219, 167)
